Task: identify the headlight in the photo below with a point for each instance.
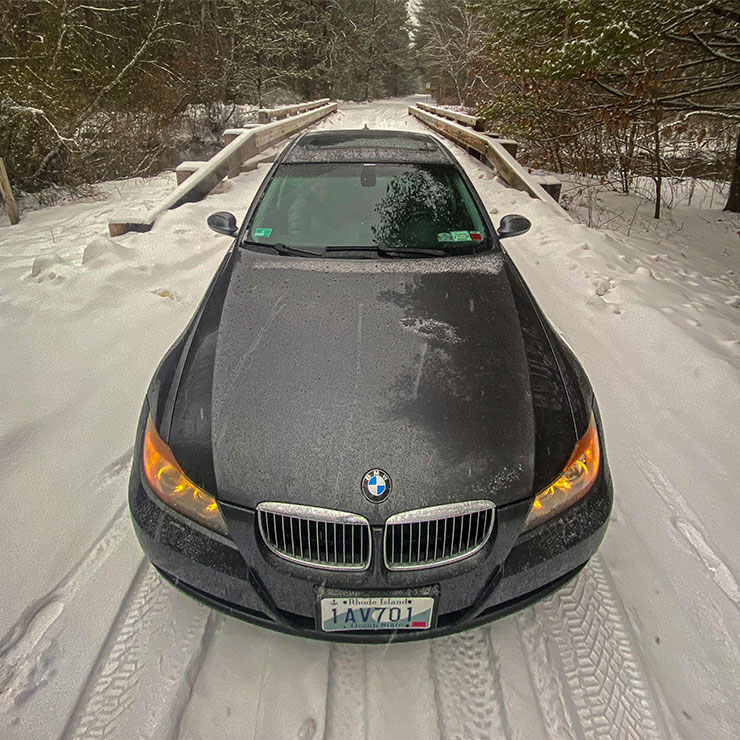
(573, 484)
(169, 483)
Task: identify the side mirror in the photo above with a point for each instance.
(223, 222)
(513, 225)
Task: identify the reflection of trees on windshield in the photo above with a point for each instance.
(416, 207)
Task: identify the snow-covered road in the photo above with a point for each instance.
(644, 644)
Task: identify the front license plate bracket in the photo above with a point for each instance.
(340, 610)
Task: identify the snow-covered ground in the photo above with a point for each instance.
(644, 644)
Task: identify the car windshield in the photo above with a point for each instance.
(394, 206)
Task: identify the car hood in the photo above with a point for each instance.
(325, 369)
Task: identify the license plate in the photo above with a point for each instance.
(377, 613)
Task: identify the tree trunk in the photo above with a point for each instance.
(733, 200)
(371, 53)
(258, 79)
(558, 158)
(658, 168)
(627, 158)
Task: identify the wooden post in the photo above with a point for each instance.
(7, 194)
(185, 169)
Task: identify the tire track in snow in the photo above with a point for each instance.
(23, 647)
(258, 684)
(688, 524)
(296, 680)
(467, 683)
(546, 681)
(361, 704)
(148, 665)
(583, 663)
(346, 693)
(408, 710)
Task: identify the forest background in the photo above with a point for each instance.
(623, 91)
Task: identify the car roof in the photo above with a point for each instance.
(367, 146)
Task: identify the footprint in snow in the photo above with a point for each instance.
(51, 268)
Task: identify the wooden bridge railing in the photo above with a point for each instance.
(493, 151)
(197, 179)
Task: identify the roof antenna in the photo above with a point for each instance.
(365, 127)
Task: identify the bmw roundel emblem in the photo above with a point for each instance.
(376, 485)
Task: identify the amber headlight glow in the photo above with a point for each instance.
(169, 483)
(573, 484)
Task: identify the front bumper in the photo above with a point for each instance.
(282, 596)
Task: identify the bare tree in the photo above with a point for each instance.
(450, 39)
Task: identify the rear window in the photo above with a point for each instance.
(365, 205)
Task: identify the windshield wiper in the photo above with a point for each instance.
(282, 249)
(387, 252)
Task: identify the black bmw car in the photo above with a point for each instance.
(369, 431)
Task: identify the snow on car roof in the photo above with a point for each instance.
(364, 145)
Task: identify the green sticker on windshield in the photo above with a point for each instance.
(444, 237)
(262, 232)
(460, 236)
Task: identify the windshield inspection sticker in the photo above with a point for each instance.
(262, 232)
(460, 236)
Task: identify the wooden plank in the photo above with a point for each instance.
(265, 115)
(229, 159)
(465, 118)
(494, 153)
(551, 184)
(460, 134)
(136, 222)
(252, 164)
(509, 144)
(7, 193)
(185, 169)
(231, 133)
